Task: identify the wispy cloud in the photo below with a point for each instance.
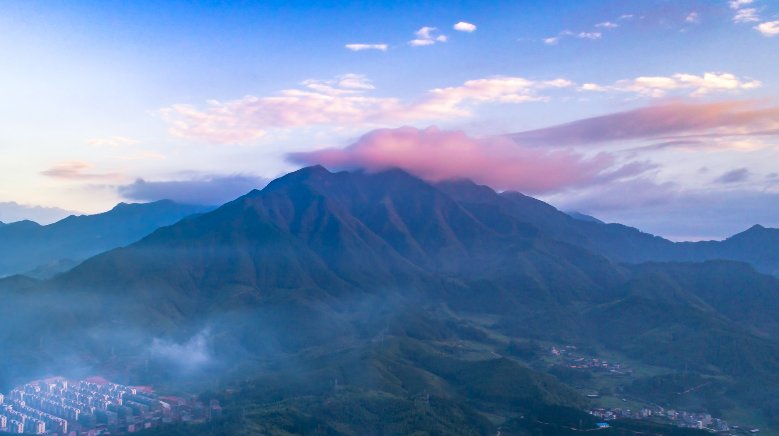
(553, 40)
(363, 47)
(76, 170)
(435, 155)
(112, 141)
(427, 36)
(746, 15)
(661, 121)
(607, 25)
(692, 18)
(463, 26)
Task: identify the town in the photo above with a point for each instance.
(94, 407)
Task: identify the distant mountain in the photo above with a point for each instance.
(42, 251)
(621, 243)
(352, 302)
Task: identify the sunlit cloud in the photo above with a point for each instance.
(344, 101)
(769, 28)
(363, 47)
(693, 85)
(607, 25)
(463, 26)
(672, 121)
(76, 170)
(499, 162)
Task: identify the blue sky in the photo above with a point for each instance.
(97, 95)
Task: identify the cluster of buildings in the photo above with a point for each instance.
(577, 361)
(679, 418)
(59, 407)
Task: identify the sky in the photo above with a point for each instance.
(663, 115)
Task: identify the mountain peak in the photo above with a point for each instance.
(466, 190)
(316, 173)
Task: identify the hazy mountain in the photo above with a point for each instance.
(42, 251)
(616, 241)
(370, 292)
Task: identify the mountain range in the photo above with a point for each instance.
(42, 251)
(347, 302)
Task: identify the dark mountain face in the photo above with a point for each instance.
(42, 251)
(394, 286)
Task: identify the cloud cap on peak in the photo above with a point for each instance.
(435, 155)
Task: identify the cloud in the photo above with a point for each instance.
(734, 176)
(693, 85)
(769, 28)
(657, 121)
(76, 170)
(589, 35)
(112, 141)
(607, 25)
(344, 101)
(737, 4)
(435, 155)
(692, 18)
(463, 26)
(427, 36)
(671, 211)
(207, 190)
(743, 14)
(746, 15)
(362, 47)
(11, 211)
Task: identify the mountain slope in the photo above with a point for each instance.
(621, 243)
(26, 246)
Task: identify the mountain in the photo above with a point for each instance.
(350, 301)
(42, 251)
(616, 241)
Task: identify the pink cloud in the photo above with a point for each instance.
(436, 155)
(76, 170)
(676, 118)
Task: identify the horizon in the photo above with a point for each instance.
(570, 213)
(661, 116)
